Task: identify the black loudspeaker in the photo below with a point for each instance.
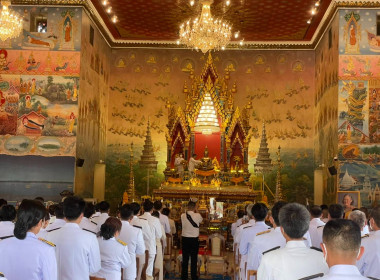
(80, 162)
(332, 170)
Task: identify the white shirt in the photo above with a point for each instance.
(343, 272)
(77, 252)
(235, 225)
(369, 263)
(164, 220)
(173, 230)
(188, 230)
(263, 243)
(99, 220)
(294, 261)
(148, 233)
(178, 164)
(249, 233)
(6, 229)
(318, 236)
(57, 224)
(154, 224)
(192, 163)
(88, 225)
(114, 256)
(132, 235)
(314, 224)
(239, 230)
(27, 259)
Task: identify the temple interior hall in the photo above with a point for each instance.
(226, 102)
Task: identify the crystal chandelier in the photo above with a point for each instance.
(205, 32)
(10, 22)
(207, 121)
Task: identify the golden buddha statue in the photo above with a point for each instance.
(206, 161)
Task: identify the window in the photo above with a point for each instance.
(38, 22)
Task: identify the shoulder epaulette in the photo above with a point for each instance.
(247, 227)
(315, 248)
(373, 278)
(365, 235)
(5, 237)
(47, 242)
(274, 248)
(122, 242)
(263, 232)
(312, 276)
(89, 230)
(50, 230)
(143, 219)
(137, 226)
(320, 226)
(94, 222)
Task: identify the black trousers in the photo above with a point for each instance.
(190, 247)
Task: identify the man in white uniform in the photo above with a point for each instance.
(132, 235)
(59, 221)
(369, 264)
(295, 260)
(250, 223)
(190, 240)
(341, 249)
(157, 233)
(164, 220)
(239, 221)
(192, 164)
(104, 208)
(7, 216)
(77, 251)
(316, 214)
(86, 223)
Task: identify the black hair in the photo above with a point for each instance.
(316, 211)
(324, 206)
(336, 211)
(104, 206)
(259, 211)
(165, 211)
(96, 207)
(147, 205)
(276, 210)
(191, 205)
(7, 213)
(51, 209)
(240, 214)
(73, 207)
(29, 214)
(135, 207)
(126, 212)
(58, 211)
(375, 215)
(89, 210)
(47, 215)
(3, 202)
(110, 227)
(156, 214)
(157, 205)
(342, 235)
(294, 219)
(40, 199)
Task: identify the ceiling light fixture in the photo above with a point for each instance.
(109, 10)
(205, 32)
(10, 22)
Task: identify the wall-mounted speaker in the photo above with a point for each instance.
(80, 162)
(332, 170)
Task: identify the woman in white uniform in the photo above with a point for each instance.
(24, 256)
(113, 252)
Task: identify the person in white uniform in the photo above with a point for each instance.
(148, 236)
(266, 241)
(190, 240)
(295, 260)
(369, 264)
(341, 249)
(239, 221)
(159, 261)
(7, 216)
(87, 224)
(77, 251)
(133, 236)
(164, 220)
(166, 211)
(336, 211)
(104, 208)
(157, 233)
(114, 252)
(316, 214)
(259, 212)
(359, 218)
(250, 222)
(24, 257)
(192, 164)
(58, 221)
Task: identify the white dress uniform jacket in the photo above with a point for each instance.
(318, 236)
(148, 234)
(57, 224)
(292, 262)
(99, 220)
(314, 224)
(88, 225)
(154, 223)
(343, 272)
(6, 230)
(188, 230)
(28, 259)
(132, 235)
(77, 252)
(164, 220)
(369, 263)
(239, 230)
(261, 244)
(114, 256)
(235, 225)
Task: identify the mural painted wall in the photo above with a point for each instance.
(359, 111)
(326, 108)
(280, 85)
(39, 92)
